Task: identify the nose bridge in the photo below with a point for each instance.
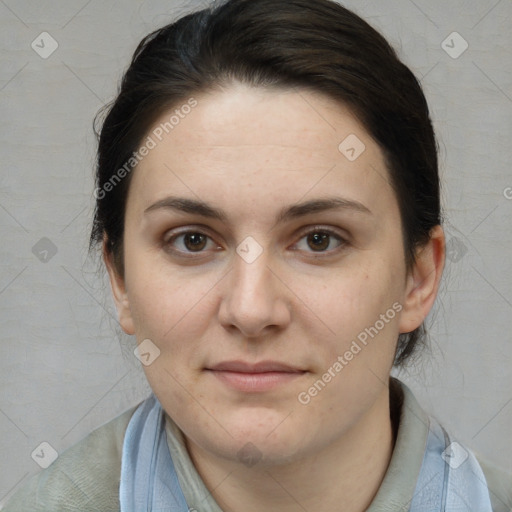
(253, 300)
(251, 278)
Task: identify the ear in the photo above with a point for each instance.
(423, 280)
(117, 284)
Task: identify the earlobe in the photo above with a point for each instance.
(423, 281)
(120, 296)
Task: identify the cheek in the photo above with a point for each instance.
(162, 298)
(351, 297)
(169, 313)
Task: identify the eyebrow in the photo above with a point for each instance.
(294, 211)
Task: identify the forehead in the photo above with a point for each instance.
(243, 142)
(252, 116)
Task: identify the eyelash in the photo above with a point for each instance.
(168, 242)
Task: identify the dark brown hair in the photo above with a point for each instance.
(309, 44)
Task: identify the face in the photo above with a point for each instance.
(265, 263)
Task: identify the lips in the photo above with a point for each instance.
(254, 377)
(261, 367)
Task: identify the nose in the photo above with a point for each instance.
(255, 300)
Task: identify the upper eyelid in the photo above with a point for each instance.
(205, 230)
(320, 229)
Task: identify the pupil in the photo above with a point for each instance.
(320, 240)
(194, 241)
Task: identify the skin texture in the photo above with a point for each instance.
(252, 152)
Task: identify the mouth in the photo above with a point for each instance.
(254, 377)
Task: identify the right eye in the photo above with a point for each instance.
(188, 242)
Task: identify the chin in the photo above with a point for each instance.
(257, 440)
(258, 452)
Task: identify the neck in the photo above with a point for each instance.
(345, 475)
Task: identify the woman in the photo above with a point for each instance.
(269, 214)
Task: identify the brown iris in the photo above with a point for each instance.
(319, 241)
(194, 241)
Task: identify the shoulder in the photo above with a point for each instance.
(84, 477)
(413, 434)
(499, 483)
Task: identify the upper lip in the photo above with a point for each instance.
(260, 367)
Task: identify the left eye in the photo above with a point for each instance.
(320, 241)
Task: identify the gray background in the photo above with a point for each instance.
(65, 369)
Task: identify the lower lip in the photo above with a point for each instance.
(255, 382)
